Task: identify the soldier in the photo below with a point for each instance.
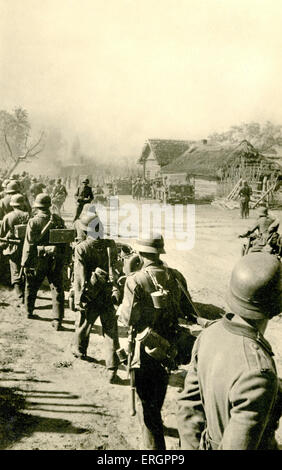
(41, 259)
(36, 188)
(230, 399)
(265, 225)
(3, 191)
(11, 188)
(83, 196)
(90, 257)
(245, 196)
(58, 195)
(137, 311)
(12, 250)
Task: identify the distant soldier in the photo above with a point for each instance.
(36, 188)
(42, 259)
(83, 196)
(245, 196)
(91, 267)
(138, 311)
(231, 399)
(58, 195)
(14, 251)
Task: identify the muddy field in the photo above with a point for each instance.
(51, 401)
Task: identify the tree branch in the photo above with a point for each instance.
(29, 153)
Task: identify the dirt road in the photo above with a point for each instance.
(51, 401)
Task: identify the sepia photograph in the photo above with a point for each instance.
(140, 236)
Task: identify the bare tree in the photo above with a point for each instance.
(15, 142)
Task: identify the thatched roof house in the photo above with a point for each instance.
(211, 160)
(157, 153)
(225, 164)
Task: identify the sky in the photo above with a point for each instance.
(117, 72)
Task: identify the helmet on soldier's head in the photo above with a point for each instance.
(5, 183)
(255, 290)
(12, 187)
(59, 180)
(16, 200)
(42, 200)
(85, 180)
(262, 211)
(91, 223)
(154, 244)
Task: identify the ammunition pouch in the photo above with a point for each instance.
(97, 283)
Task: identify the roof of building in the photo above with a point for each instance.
(164, 150)
(209, 159)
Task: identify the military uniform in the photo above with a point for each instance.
(137, 309)
(13, 251)
(42, 259)
(230, 400)
(83, 196)
(59, 195)
(5, 207)
(91, 254)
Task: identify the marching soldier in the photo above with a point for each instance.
(14, 251)
(83, 196)
(41, 259)
(138, 311)
(36, 188)
(11, 188)
(230, 399)
(93, 292)
(58, 195)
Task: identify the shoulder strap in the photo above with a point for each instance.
(46, 228)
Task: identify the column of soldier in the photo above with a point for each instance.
(231, 397)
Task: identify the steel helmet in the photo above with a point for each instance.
(91, 223)
(16, 200)
(5, 182)
(12, 187)
(256, 286)
(85, 180)
(262, 211)
(42, 200)
(154, 244)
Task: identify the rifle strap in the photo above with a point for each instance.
(46, 228)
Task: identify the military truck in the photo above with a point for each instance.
(176, 189)
(176, 194)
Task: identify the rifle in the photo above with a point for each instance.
(130, 371)
(196, 313)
